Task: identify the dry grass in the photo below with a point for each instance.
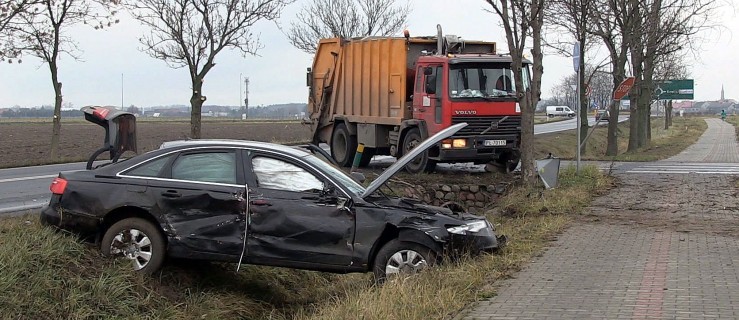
(49, 274)
(734, 119)
(665, 143)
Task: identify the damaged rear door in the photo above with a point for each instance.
(297, 217)
(201, 198)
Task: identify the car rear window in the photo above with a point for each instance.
(219, 167)
(149, 169)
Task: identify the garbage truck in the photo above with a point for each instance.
(390, 93)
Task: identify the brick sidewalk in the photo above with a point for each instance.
(661, 247)
(600, 271)
(717, 144)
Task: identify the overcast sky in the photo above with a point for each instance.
(278, 74)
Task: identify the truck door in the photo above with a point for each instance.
(427, 96)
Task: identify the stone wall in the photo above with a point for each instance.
(474, 198)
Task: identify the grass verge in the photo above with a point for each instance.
(734, 119)
(665, 143)
(50, 274)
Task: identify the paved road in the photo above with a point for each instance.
(664, 245)
(28, 188)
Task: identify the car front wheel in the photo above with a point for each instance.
(137, 240)
(401, 258)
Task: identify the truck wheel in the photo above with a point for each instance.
(401, 258)
(422, 162)
(137, 240)
(343, 145)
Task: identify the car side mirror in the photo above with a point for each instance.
(358, 176)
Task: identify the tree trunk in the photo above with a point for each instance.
(532, 99)
(642, 109)
(527, 140)
(612, 148)
(56, 130)
(634, 119)
(667, 116)
(196, 104)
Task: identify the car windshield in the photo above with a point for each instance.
(336, 174)
(483, 80)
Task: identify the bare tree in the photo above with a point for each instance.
(346, 19)
(191, 33)
(612, 20)
(573, 18)
(660, 28)
(521, 19)
(671, 67)
(10, 11)
(43, 32)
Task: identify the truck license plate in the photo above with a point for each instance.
(494, 143)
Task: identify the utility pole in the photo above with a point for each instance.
(246, 99)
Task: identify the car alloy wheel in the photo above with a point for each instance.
(133, 245)
(137, 240)
(402, 258)
(405, 262)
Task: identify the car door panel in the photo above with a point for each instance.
(201, 198)
(306, 227)
(205, 217)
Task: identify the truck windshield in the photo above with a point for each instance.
(483, 80)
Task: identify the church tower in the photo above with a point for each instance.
(722, 92)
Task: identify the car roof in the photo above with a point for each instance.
(181, 144)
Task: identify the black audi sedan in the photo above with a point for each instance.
(259, 203)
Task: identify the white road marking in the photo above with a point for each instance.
(29, 178)
(683, 172)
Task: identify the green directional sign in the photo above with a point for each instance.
(674, 89)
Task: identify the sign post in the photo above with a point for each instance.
(576, 65)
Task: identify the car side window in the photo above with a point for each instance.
(281, 175)
(219, 167)
(149, 169)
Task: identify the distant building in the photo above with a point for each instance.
(731, 106)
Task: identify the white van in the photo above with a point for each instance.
(562, 111)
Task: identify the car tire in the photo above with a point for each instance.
(422, 163)
(402, 258)
(343, 145)
(137, 240)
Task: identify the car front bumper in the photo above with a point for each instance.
(476, 242)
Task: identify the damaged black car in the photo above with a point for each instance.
(257, 203)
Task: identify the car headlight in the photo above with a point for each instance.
(474, 226)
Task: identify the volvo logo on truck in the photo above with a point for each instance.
(465, 112)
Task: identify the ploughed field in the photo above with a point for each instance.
(29, 143)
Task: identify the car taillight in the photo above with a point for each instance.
(101, 113)
(58, 185)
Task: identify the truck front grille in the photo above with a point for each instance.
(478, 124)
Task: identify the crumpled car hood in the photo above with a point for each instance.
(408, 157)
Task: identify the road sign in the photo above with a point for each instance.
(674, 89)
(576, 56)
(623, 88)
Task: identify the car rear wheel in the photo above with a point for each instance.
(401, 258)
(137, 240)
(343, 145)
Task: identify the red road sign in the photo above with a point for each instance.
(623, 88)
